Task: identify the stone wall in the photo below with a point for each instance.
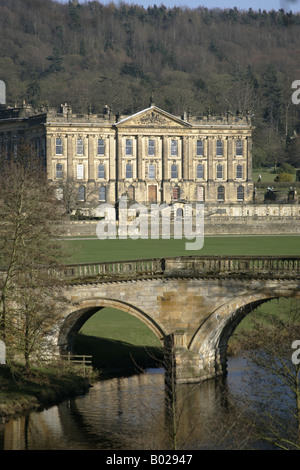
(252, 219)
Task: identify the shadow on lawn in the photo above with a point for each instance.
(113, 357)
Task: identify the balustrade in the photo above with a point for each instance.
(198, 265)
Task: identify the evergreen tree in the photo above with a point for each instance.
(56, 60)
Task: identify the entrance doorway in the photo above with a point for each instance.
(152, 193)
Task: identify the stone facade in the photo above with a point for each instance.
(152, 156)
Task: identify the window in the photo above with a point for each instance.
(200, 193)
(219, 148)
(130, 192)
(151, 147)
(128, 170)
(200, 171)
(80, 171)
(58, 146)
(174, 171)
(100, 147)
(199, 148)
(239, 171)
(219, 172)
(151, 174)
(128, 147)
(239, 148)
(221, 193)
(81, 193)
(174, 148)
(101, 171)
(179, 213)
(176, 192)
(240, 193)
(102, 193)
(79, 147)
(59, 170)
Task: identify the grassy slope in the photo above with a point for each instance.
(22, 391)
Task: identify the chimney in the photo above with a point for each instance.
(2, 92)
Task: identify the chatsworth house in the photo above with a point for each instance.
(151, 156)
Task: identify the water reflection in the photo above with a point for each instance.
(130, 413)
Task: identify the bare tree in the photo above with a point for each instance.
(29, 254)
(75, 197)
(275, 382)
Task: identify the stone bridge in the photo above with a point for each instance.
(196, 301)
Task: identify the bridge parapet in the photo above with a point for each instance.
(114, 269)
(275, 267)
(252, 266)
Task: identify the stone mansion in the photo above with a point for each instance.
(152, 156)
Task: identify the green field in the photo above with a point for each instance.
(118, 341)
(94, 250)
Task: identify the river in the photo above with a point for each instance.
(130, 413)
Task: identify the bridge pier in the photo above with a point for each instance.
(186, 366)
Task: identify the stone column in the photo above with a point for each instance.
(185, 159)
(230, 159)
(49, 154)
(111, 150)
(70, 150)
(249, 158)
(119, 172)
(165, 158)
(164, 167)
(139, 158)
(210, 159)
(91, 158)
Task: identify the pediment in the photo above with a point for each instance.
(152, 117)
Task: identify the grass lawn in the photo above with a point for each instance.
(282, 307)
(94, 250)
(118, 340)
(267, 175)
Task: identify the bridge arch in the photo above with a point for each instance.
(78, 314)
(211, 339)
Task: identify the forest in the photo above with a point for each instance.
(199, 60)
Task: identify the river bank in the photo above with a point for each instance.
(39, 388)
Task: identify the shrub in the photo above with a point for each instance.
(283, 176)
(287, 168)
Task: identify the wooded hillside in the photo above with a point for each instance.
(199, 60)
